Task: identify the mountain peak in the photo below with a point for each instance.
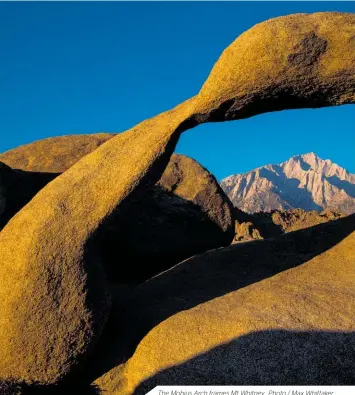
(308, 161)
(304, 181)
(310, 156)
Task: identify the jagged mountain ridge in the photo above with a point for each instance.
(304, 181)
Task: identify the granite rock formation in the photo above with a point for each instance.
(272, 224)
(236, 315)
(185, 213)
(53, 154)
(53, 287)
(53, 298)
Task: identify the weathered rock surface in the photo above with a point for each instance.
(246, 231)
(25, 170)
(294, 61)
(15, 388)
(278, 311)
(292, 220)
(53, 296)
(304, 181)
(54, 154)
(289, 62)
(52, 286)
(271, 224)
(184, 214)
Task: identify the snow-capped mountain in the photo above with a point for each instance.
(304, 181)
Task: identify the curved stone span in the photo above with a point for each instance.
(53, 291)
(53, 295)
(295, 61)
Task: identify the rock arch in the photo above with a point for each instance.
(53, 295)
(295, 61)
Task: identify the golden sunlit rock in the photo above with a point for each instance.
(277, 311)
(54, 301)
(185, 213)
(53, 296)
(294, 61)
(54, 154)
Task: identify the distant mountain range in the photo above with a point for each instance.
(304, 181)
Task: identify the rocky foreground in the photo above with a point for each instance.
(74, 320)
(264, 225)
(268, 312)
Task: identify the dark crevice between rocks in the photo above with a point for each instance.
(18, 187)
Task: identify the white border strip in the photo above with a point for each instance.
(252, 390)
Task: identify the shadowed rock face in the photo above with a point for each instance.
(185, 213)
(17, 188)
(293, 295)
(52, 284)
(272, 224)
(269, 357)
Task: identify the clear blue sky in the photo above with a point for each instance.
(103, 67)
